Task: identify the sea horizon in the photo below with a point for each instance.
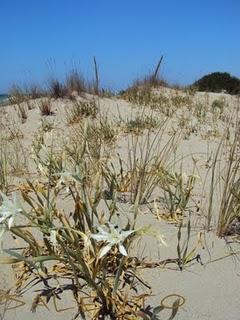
(3, 98)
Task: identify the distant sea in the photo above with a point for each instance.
(3, 99)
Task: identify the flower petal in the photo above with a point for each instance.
(53, 238)
(99, 237)
(122, 250)
(105, 250)
(10, 222)
(2, 219)
(124, 234)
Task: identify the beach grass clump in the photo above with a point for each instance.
(106, 130)
(56, 88)
(17, 158)
(81, 109)
(14, 132)
(218, 105)
(75, 83)
(223, 199)
(165, 102)
(95, 137)
(45, 107)
(153, 79)
(30, 104)
(107, 93)
(34, 91)
(177, 192)
(138, 177)
(22, 112)
(141, 123)
(139, 95)
(146, 160)
(16, 95)
(200, 112)
(146, 97)
(181, 99)
(49, 160)
(13, 160)
(46, 125)
(230, 183)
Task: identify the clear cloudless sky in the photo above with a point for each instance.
(42, 37)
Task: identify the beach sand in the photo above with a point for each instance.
(211, 289)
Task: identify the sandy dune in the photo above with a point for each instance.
(211, 289)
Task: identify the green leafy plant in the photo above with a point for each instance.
(88, 255)
(185, 255)
(177, 191)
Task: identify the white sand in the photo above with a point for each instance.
(211, 290)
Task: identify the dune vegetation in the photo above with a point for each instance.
(102, 192)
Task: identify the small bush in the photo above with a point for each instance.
(217, 82)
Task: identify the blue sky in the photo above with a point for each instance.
(41, 37)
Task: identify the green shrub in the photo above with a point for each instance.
(217, 82)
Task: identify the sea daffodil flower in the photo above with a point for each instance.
(112, 237)
(9, 209)
(53, 238)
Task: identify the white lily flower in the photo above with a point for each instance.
(53, 238)
(112, 237)
(9, 209)
(66, 179)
